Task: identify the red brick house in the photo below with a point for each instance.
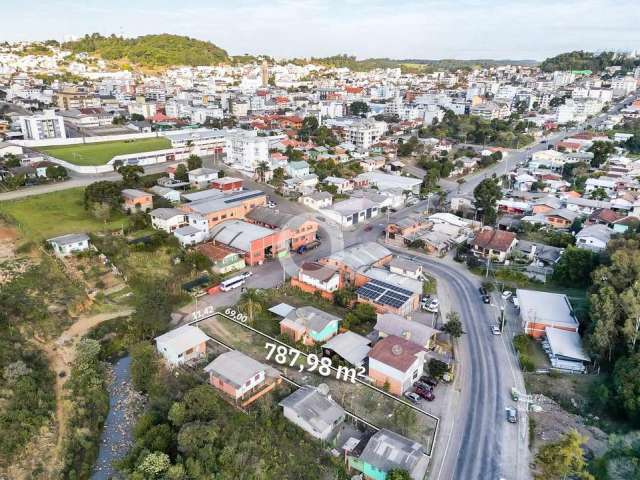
(493, 244)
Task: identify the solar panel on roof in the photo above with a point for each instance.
(388, 286)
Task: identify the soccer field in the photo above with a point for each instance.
(91, 154)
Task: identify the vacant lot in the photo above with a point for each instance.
(57, 213)
(101, 153)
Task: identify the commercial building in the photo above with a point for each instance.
(256, 243)
(539, 310)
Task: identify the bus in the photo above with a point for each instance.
(233, 282)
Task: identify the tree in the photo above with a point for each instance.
(154, 465)
(136, 117)
(251, 302)
(601, 151)
(56, 172)
(152, 308)
(574, 267)
(486, 194)
(605, 316)
(437, 368)
(181, 173)
(144, 366)
(344, 297)
(626, 385)
(261, 170)
(130, 174)
(359, 108)
(453, 326)
(563, 459)
(103, 192)
(194, 162)
(397, 474)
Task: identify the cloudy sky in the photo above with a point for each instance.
(427, 29)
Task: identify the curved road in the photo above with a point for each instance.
(476, 441)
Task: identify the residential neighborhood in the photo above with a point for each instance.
(283, 265)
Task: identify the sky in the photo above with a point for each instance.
(427, 29)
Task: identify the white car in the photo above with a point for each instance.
(433, 306)
(495, 330)
(246, 274)
(506, 294)
(272, 205)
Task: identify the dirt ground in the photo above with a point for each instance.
(553, 421)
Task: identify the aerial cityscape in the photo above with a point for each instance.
(320, 240)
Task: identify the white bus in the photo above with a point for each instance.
(231, 283)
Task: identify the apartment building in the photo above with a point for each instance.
(246, 150)
(45, 126)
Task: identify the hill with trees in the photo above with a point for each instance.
(581, 60)
(151, 50)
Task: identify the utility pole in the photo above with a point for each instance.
(502, 318)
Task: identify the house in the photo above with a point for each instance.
(238, 375)
(227, 184)
(182, 344)
(167, 193)
(315, 277)
(405, 267)
(313, 410)
(167, 219)
(385, 181)
(565, 350)
(391, 324)
(388, 298)
(298, 169)
(136, 200)
(317, 200)
(353, 259)
(65, 245)
(493, 244)
(224, 260)
(342, 184)
(309, 325)
(386, 451)
(351, 212)
(348, 346)
(304, 185)
(189, 235)
(539, 310)
(594, 237)
(202, 177)
(396, 363)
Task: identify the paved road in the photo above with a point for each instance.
(476, 442)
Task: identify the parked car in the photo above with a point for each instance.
(425, 393)
(246, 274)
(272, 204)
(483, 291)
(433, 382)
(486, 299)
(495, 330)
(368, 228)
(507, 294)
(516, 302)
(412, 397)
(512, 415)
(433, 306)
(420, 384)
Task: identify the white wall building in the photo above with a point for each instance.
(246, 150)
(45, 126)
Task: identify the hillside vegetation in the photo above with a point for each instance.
(581, 60)
(151, 50)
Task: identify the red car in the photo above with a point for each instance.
(426, 394)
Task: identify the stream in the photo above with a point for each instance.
(117, 434)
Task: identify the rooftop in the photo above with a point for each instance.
(235, 367)
(395, 352)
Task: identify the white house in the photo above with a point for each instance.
(68, 244)
(182, 344)
(298, 169)
(313, 410)
(167, 219)
(594, 237)
(342, 184)
(202, 177)
(317, 200)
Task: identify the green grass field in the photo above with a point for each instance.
(57, 213)
(90, 154)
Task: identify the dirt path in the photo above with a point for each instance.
(61, 354)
